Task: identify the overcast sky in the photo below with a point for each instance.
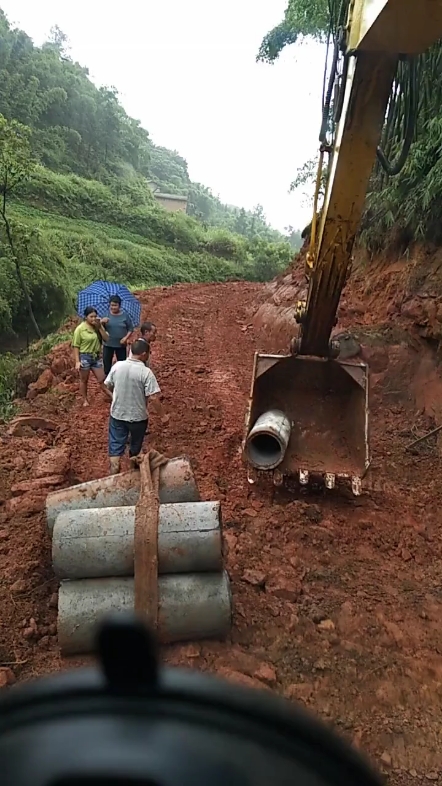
(187, 71)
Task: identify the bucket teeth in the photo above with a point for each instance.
(251, 476)
(356, 486)
(330, 480)
(278, 478)
(303, 477)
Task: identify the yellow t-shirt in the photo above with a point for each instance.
(86, 340)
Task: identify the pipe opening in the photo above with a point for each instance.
(265, 451)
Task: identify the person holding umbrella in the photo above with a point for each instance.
(119, 327)
(120, 313)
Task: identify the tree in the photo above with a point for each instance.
(59, 41)
(301, 18)
(241, 222)
(16, 164)
(294, 237)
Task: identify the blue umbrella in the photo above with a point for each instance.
(98, 294)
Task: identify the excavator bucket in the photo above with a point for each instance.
(308, 418)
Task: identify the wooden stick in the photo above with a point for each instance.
(421, 439)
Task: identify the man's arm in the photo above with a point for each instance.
(152, 391)
(110, 379)
(155, 404)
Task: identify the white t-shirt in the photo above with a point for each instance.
(132, 383)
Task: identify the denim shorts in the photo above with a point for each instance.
(88, 361)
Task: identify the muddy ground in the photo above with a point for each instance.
(337, 600)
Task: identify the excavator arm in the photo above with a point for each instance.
(308, 411)
(378, 33)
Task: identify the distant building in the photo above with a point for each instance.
(173, 203)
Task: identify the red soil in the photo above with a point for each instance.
(337, 600)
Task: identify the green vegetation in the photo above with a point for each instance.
(76, 204)
(403, 207)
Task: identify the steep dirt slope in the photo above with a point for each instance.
(337, 601)
(393, 308)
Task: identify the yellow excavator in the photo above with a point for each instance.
(308, 411)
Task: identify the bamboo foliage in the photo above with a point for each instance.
(407, 207)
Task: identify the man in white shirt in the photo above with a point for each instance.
(132, 384)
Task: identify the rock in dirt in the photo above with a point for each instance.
(284, 586)
(255, 577)
(265, 673)
(19, 425)
(59, 365)
(313, 513)
(240, 679)
(54, 461)
(53, 601)
(19, 586)
(386, 759)
(190, 651)
(26, 505)
(326, 625)
(44, 643)
(36, 485)
(7, 677)
(42, 385)
(317, 615)
(349, 346)
(299, 691)
(229, 542)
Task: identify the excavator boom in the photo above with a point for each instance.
(308, 411)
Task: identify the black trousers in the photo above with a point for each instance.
(108, 356)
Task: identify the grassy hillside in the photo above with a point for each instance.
(75, 173)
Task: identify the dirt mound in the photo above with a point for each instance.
(337, 600)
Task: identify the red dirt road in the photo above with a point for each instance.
(337, 601)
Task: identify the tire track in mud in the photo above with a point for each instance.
(203, 363)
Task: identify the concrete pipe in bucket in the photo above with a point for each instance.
(326, 402)
(268, 439)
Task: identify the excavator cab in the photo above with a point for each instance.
(308, 418)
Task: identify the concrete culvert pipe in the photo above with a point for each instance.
(177, 484)
(191, 607)
(100, 542)
(267, 441)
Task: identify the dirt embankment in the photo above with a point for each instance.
(337, 601)
(391, 309)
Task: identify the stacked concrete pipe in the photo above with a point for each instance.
(92, 527)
